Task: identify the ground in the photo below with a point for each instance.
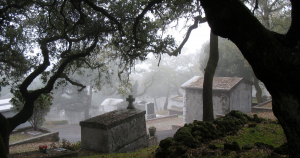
(161, 126)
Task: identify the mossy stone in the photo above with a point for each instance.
(282, 150)
(247, 147)
(159, 153)
(234, 146)
(236, 113)
(260, 145)
(250, 125)
(244, 119)
(213, 147)
(184, 135)
(178, 151)
(169, 150)
(196, 133)
(165, 143)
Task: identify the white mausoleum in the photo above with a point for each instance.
(229, 93)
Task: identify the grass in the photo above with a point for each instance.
(268, 133)
(271, 134)
(143, 153)
(18, 136)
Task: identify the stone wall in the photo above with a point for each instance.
(121, 130)
(240, 98)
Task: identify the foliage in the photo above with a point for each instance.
(41, 108)
(202, 138)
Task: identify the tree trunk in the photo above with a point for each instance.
(258, 90)
(286, 109)
(9, 124)
(2, 148)
(155, 103)
(273, 57)
(4, 132)
(208, 109)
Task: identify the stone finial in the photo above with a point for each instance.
(130, 99)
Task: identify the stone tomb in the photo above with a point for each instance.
(150, 113)
(118, 131)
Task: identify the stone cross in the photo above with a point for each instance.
(130, 99)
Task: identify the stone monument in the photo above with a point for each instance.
(150, 112)
(121, 130)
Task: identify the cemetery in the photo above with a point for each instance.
(163, 79)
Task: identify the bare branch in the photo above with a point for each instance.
(73, 82)
(197, 20)
(103, 11)
(255, 7)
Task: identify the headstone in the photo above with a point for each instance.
(130, 99)
(149, 108)
(150, 111)
(121, 130)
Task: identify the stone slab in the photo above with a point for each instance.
(152, 141)
(151, 116)
(117, 131)
(174, 111)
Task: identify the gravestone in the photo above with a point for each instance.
(150, 113)
(130, 99)
(150, 108)
(121, 130)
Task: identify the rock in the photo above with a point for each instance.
(184, 135)
(213, 147)
(247, 147)
(159, 153)
(263, 145)
(233, 147)
(226, 152)
(250, 125)
(165, 143)
(282, 150)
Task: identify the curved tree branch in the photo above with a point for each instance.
(197, 20)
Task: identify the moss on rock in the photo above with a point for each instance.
(165, 143)
(192, 134)
(185, 136)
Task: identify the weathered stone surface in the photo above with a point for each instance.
(232, 146)
(151, 116)
(122, 130)
(236, 96)
(152, 140)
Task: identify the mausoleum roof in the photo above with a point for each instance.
(219, 83)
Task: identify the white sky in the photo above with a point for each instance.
(197, 38)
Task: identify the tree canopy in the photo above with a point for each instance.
(69, 33)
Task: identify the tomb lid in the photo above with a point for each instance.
(113, 118)
(178, 98)
(219, 83)
(5, 105)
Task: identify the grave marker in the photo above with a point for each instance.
(118, 131)
(130, 99)
(150, 108)
(150, 112)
